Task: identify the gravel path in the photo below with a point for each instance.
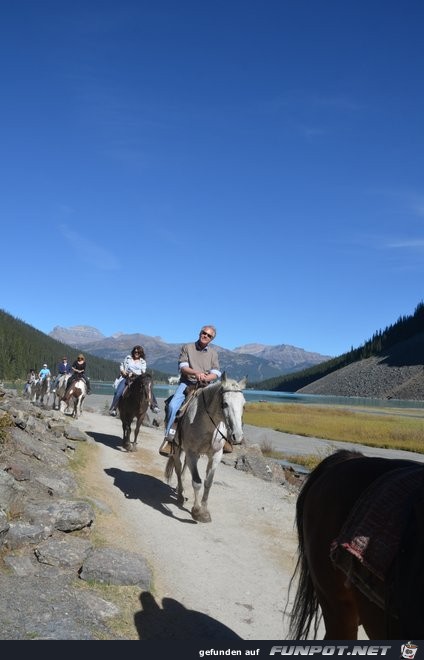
(234, 571)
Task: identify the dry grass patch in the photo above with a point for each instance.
(389, 429)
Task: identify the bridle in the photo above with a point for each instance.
(223, 391)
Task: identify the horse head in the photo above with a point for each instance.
(233, 402)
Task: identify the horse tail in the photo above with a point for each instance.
(169, 468)
(305, 608)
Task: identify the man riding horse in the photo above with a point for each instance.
(199, 366)
(63, 369)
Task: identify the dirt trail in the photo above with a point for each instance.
(235, 570)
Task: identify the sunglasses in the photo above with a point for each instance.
(207, 334)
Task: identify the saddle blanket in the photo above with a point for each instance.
(372, 533)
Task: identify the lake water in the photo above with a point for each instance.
(163, 391)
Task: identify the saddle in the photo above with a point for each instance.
(190, 392)
(371, 536)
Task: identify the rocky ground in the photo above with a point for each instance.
(94, 546)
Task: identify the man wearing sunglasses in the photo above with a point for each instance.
(198, 365)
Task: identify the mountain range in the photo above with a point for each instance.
(256, 361)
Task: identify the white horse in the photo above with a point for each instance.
(74, 398)
(59, 390)
(40, 391)
(34, 387)
(173, 380)
(214, 415)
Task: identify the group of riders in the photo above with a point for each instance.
(198, 366)
(74, 372)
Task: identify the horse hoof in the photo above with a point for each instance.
(201, 516)
(133, 447)
(126, 445)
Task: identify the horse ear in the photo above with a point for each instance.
(224, 377)
(243, 383)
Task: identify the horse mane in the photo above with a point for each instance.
(210, 390)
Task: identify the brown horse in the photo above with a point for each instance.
(374, 576)
(134, 403)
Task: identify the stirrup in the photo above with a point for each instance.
(167, 448)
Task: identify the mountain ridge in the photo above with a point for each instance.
(258, 362)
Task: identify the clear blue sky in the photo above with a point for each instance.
(254, 164)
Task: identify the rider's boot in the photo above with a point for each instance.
(167, 446)
(228, 448)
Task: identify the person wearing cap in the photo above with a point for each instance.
(44, 372)
(78, 372)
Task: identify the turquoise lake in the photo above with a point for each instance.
(163, 391)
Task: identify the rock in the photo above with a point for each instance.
(65, 515)
(110, 566)
(66, 552)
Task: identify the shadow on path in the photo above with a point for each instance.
(149, 490)
(112, 441)
(174, 621)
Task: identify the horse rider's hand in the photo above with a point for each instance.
(202, 377)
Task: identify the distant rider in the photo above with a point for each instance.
(44, 372)
(78, 373)
(63, 369)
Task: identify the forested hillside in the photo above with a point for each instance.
(22, 347)
(381, 344)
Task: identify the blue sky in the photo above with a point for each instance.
(253, 164)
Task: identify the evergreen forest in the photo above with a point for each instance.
(381, 342)
(22, 348)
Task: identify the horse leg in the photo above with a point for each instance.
(78, 406)
(199, 511)
(174, 464)
(126, 429)
(179, 472)
(81, 404)
(339, 611)
(136, 430)
(213, 463)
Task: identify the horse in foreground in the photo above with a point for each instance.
(360, 525)
(214, 414)
(75, 398)
(134, 402)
